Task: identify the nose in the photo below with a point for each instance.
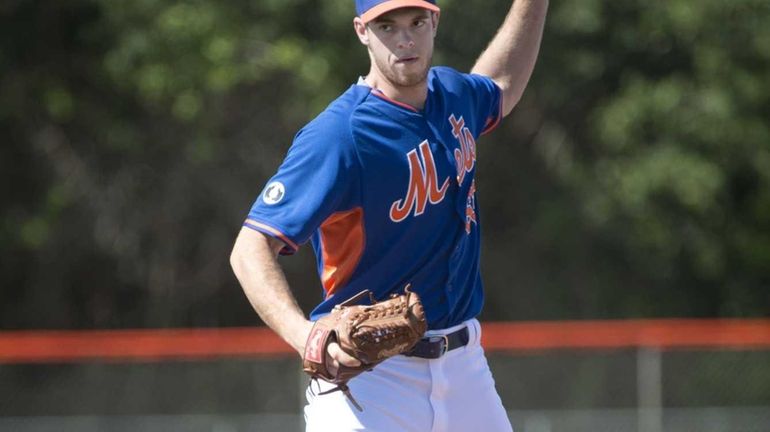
(405, 41)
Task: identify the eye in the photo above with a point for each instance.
(418, 22)
(386, 27)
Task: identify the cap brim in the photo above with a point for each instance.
(388, 6)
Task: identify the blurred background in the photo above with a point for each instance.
(631, 182)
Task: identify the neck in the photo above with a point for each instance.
(414, 96)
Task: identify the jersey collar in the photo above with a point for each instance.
(378, 93)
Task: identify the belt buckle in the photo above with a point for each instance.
(444, 343)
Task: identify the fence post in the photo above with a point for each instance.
(649, 379)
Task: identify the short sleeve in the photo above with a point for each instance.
(487, 102)
(314, 181)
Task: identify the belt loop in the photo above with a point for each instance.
(475, 328)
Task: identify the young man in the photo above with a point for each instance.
(382, 183)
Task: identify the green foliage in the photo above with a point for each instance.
(665, 161)
(136, 134)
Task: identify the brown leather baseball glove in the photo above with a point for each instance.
(371, 334)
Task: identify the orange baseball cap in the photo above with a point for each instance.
(371, 9)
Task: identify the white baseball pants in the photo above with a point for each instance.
(453, 393)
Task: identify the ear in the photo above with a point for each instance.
(434, 18)
(360, 28)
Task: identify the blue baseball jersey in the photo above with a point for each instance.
(387, 196)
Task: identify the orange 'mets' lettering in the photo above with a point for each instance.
(465, 156)
(423, 183)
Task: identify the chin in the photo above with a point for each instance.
(411, 76)
(412, 79)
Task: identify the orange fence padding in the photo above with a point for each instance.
(196, 344)
(663, 334)
(138, 345)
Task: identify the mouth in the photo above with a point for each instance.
(407, 60)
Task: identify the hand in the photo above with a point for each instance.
(336, 356)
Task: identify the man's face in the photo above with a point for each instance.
(401, 44)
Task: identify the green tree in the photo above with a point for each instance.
(632, 180)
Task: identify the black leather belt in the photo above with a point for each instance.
(433, 347)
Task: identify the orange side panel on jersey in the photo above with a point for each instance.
(342, 244)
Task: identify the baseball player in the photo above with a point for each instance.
(382, 183)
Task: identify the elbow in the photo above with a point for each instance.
(236, 259)
(239, 255)
(250, 247)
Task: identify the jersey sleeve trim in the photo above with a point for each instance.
(290, 247)
(492, 123)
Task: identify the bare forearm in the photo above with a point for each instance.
(510, 58)
(254, 262)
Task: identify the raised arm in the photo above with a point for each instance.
(510, 57)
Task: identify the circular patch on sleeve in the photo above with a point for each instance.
(274, 193)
